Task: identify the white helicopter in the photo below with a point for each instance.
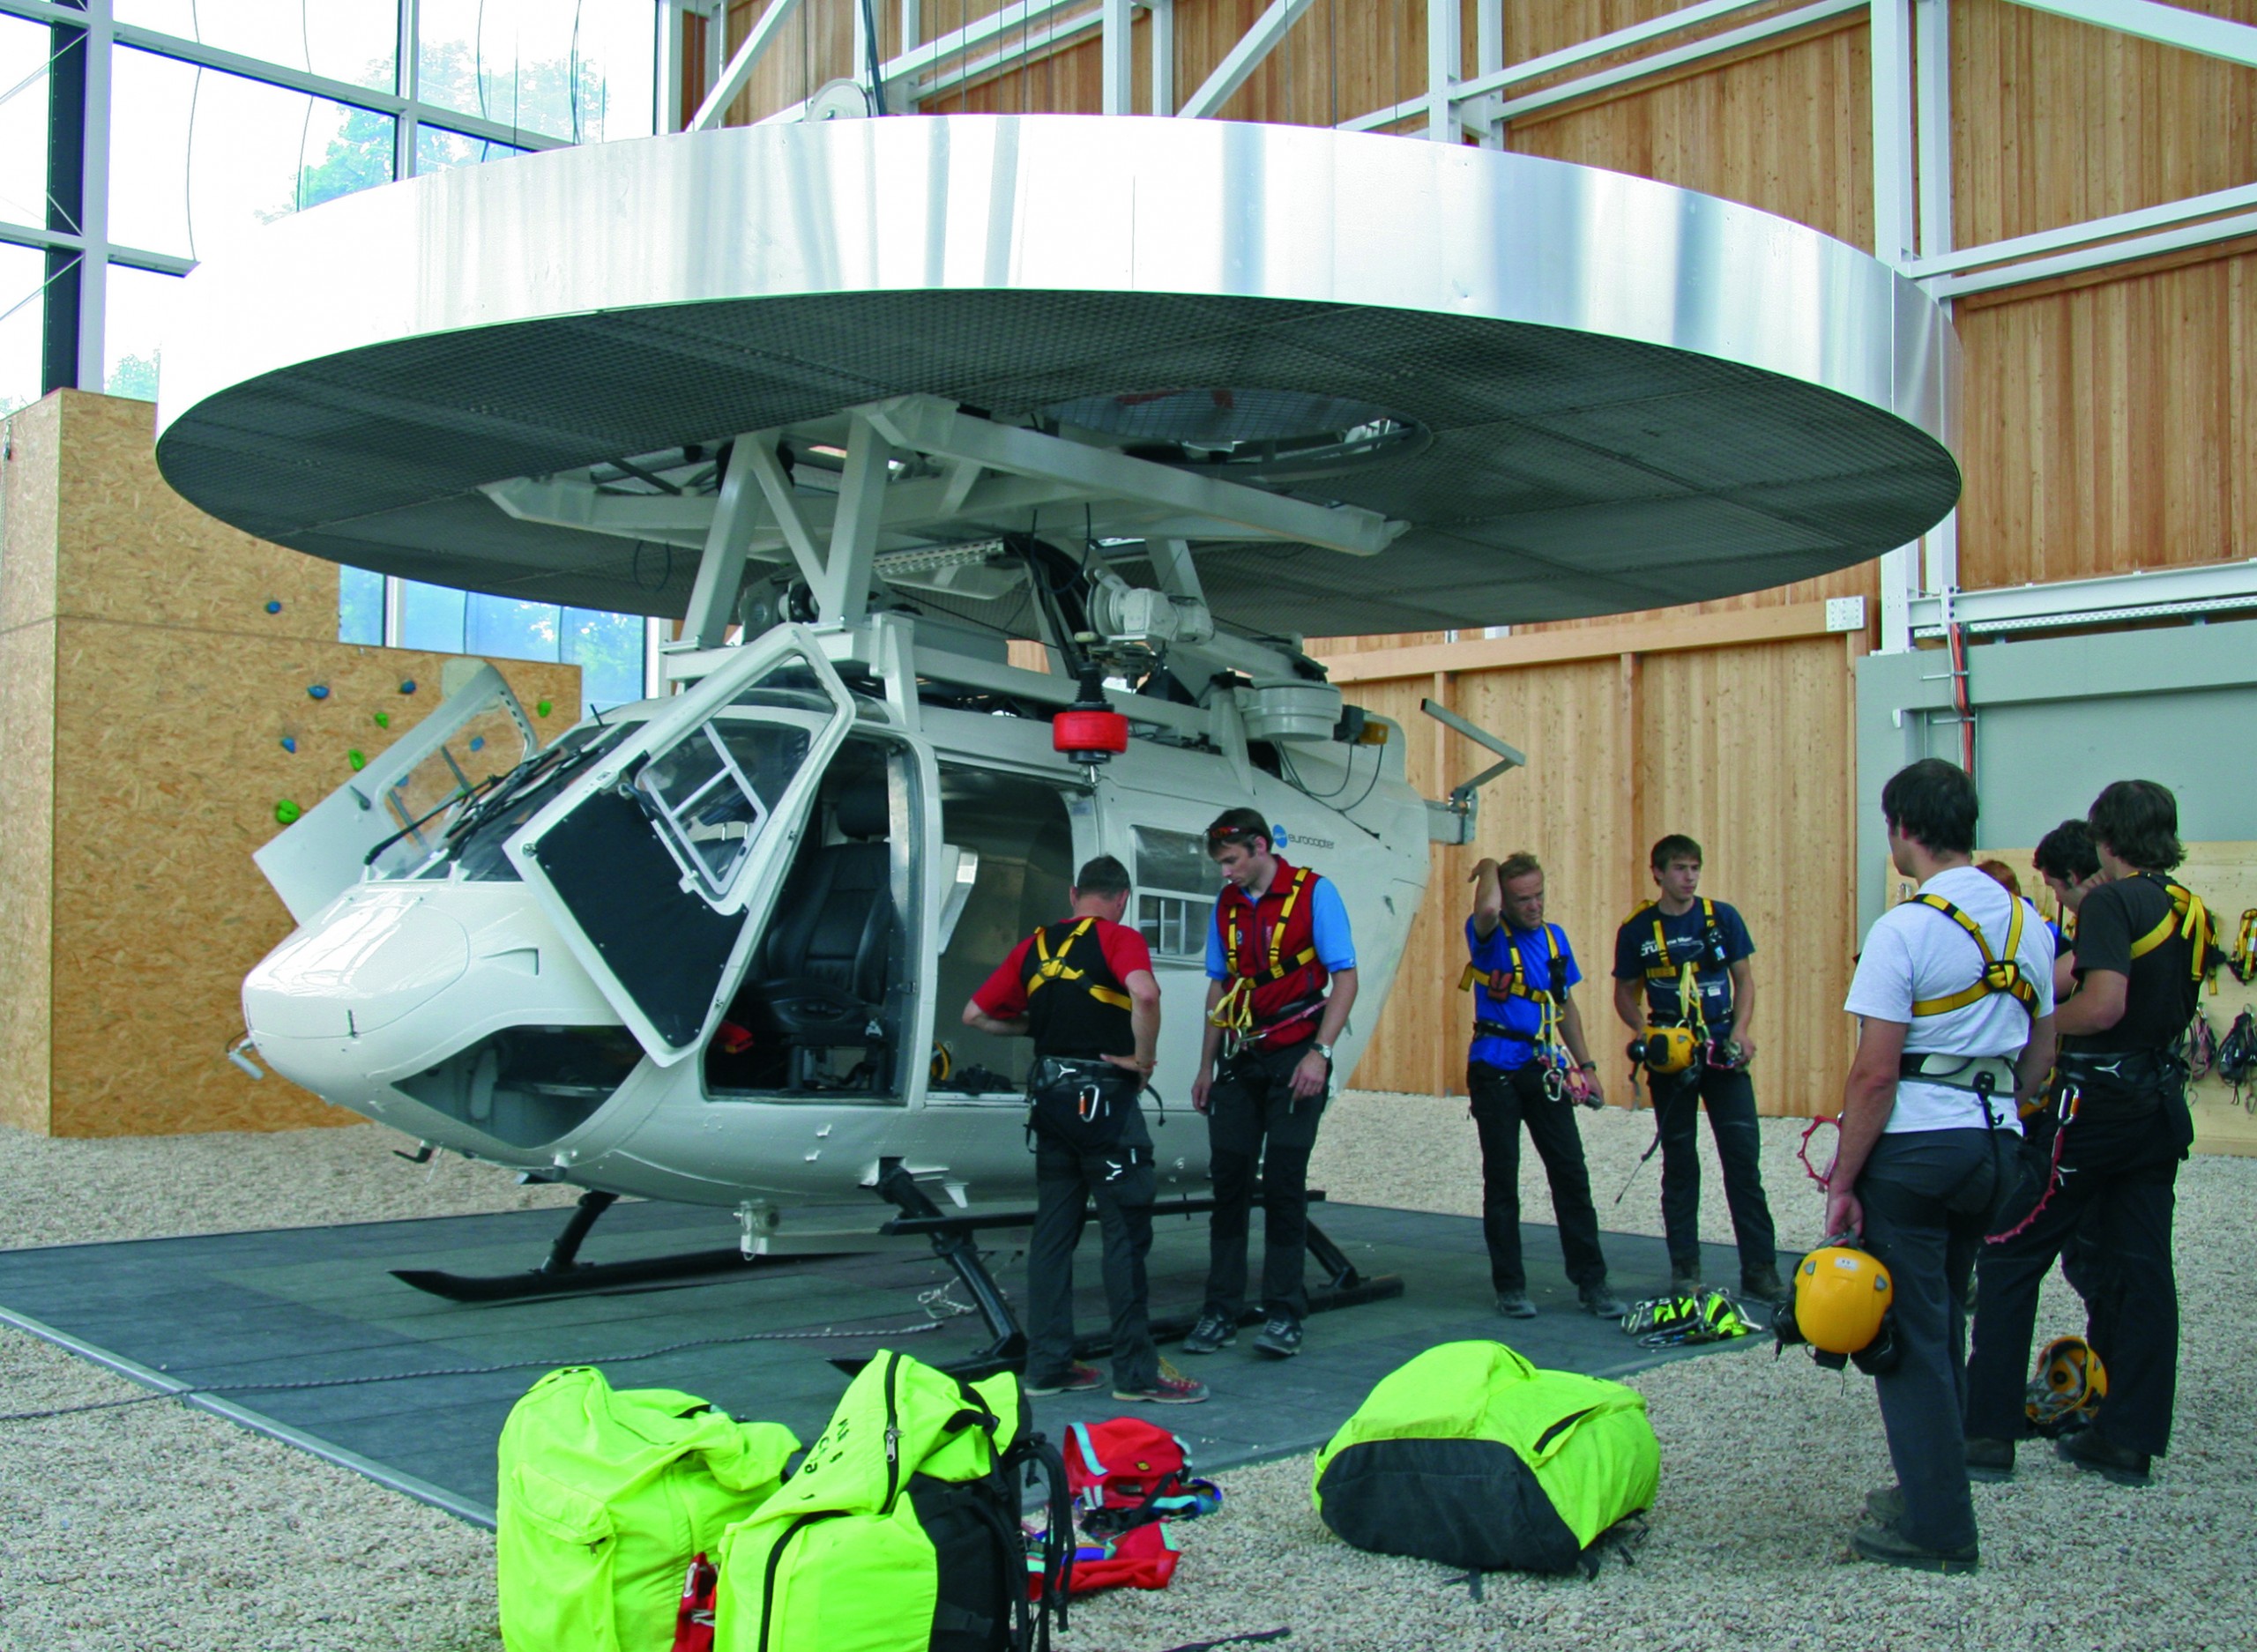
(1156, 395)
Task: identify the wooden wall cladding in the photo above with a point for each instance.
(1745, 748)
(30, 450)
(168, 766)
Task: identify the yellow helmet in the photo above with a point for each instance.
(1840, 1295)
(2071, 1383)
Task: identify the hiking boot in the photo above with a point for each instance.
(1170, 1388)
(1989, 1461)
(2114, 1463)
(1892, 1547)
(1076, 1378)
(1761, 1285)
(1515, 1305)
(1602, 1303)
(1213, 1331)
(1684, 1282)
(1884, 1505)
(1280, 1339)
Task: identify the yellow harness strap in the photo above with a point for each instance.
(1509, 983)
(1234, 1012)
(2245, 946)
(1687, 973)
(1055, 969)
(1999, 974)
(2186, 907)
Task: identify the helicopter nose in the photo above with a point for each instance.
(382, 955)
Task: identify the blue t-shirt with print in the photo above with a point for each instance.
(1688, 940)
(1527, 954)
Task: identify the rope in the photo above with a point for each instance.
(486, 1371)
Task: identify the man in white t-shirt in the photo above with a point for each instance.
(1954, 993)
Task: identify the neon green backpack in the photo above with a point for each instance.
(1471, 1456)
(900, 1530)
(606, 1497)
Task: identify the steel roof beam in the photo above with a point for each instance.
(1239, 65)
(741, 63)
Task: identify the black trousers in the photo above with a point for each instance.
(1928, 1198)
(1502, 1101)
(1254, 1119)
(2110, 1219)
(1122, 1182)
(1729, 1096)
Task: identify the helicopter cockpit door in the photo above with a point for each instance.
(403, 802)
(660, 867)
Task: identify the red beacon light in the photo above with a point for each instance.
(1090, 732)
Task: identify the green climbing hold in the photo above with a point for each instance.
(285, 811)
(356, 760)
(541, 708)
(383, 720)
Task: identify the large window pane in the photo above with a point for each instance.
(359, 607)
(581, 72)
(608, 650)
(199, 160)
(438, 151)
(138, 308)
(22, 274)
(510, 629)
(354, 41)
(431, 617)
(24, 49)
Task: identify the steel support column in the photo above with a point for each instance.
(1163, 42)
(1445, 62)
(1117, 73)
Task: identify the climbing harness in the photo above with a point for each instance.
(1054, 967)
(1563, 1079)
(1234, 1012)
(1999, 974)
(2187, 916)
(1675, 1322)
(2243, 959)
(2236, 1060)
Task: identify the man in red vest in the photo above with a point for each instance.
(1280, 936)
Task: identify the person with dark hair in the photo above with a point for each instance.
(1954, 993)
(1083, 989)
(1281, 979)
(2071, 870)
(1529, 1065)
(2144, 946)
(1682, 960)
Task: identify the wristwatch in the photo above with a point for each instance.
(1324, 1050)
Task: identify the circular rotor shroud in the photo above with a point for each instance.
(1637, 395)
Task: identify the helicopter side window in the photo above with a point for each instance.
(1176, 885)
(710, 794)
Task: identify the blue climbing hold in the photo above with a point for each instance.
(477, 742)
(272, 607)
(289, 744)
(407, 686)
(318, 691)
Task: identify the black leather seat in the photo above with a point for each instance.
(819, 975)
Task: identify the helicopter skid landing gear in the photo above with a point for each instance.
(563, 1273)
(1343, 1286)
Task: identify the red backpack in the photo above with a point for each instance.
(1127, 1473)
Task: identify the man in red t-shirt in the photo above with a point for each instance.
(1083, 989)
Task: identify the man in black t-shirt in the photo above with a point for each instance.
(1675, 947)
(2143, 945)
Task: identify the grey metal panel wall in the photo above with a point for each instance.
(2058, 718)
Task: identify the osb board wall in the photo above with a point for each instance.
(1745, 748)
(29, 445)
(170, 763)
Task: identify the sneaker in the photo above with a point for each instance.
(1280, 1339)
(1515, 1305)
(1684, 1282)
(1989, 1461)
(1170, 1388)
(1077, 1378)
(1213, 1331)
(1891, 1547)
(1761, 1285)
(1884, 1505)
(1602, 1303)
(2114, 1463)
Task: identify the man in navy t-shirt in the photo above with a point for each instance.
(1670, 943)
(1529, 1064)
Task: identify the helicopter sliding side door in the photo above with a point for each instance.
(660, 866)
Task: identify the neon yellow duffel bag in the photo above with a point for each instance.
(1471, 1456)
(606, 1497)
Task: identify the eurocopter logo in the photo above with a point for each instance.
(1279, 837)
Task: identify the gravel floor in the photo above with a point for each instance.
(151, 1528)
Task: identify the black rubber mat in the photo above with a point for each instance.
(238, 1318)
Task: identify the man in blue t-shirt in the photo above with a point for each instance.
(1529, 1064)
(1674, 941)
